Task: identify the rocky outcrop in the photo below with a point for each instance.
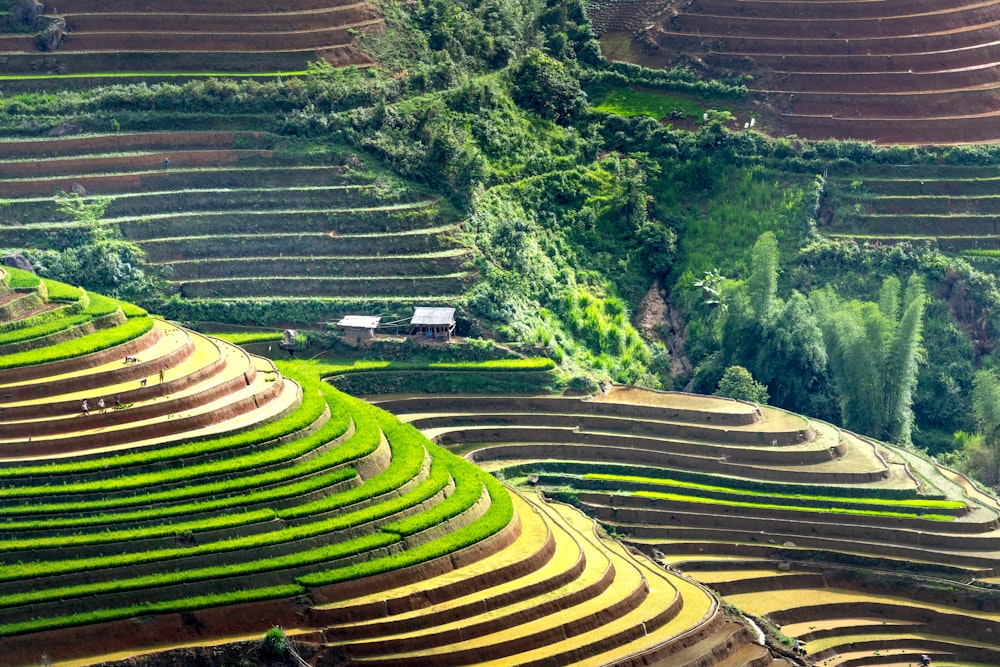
(52, 37)
(18, 261)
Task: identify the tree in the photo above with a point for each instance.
(874, 356)
(791, 358)
(738, 383)
(105, 263)
(544, 85)
(763, 283)
(986, 408)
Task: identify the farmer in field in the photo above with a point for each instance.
(166, 163)
(85, 407)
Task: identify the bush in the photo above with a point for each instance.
(275, 642)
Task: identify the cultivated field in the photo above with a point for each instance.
(892, 72)
(162, 488)
(869, 554)
(238, 215)
(179, 36)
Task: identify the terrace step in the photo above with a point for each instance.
(127, 32)
(402, 216)
(893, 203)
(838, 631)
(531, 556)
(115, 143)
(578, 574)
(891, 72)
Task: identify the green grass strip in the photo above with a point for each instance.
(468, 489)
(579, 469)
(29, 570)
(44, 329)
(146, 608)
(829, 510)
(79, 347)
(405, 464)
(131, 310)
(328, 369)
(316, 397)
(929, 503)
(241, 480)
(657, 105)
(59, 313)
(310, 484)
(61, 291)
(435, 482)
(21, 280)
(499, 514)
(247, 337)
(149, 532)
(101, 305)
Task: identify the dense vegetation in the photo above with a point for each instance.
(577, 201)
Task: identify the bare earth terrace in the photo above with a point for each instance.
(171, 36)
(892, 72)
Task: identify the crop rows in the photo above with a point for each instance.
(131, 36)
(888, 72)
(265, 515)
(224, 223)
(702, 495)
(955, 208)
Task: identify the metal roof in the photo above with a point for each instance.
(359, 321)
(432, 316)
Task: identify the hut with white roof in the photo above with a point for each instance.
(359, 328)
(437, 323)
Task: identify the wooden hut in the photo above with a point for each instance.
(358, 328)
(436, 323)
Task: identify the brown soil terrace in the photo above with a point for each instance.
(892, 72)
(334, 235)
(217, 37)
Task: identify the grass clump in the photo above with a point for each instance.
(629, 101)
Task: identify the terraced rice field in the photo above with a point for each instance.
(779, 514)
(899, 71)
(178, 36)
(227, 223)
(165, 489)
(951, 207)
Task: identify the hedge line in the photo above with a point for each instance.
(447, 382)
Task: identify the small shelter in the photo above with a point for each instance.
(436, 323)
(359, 328)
